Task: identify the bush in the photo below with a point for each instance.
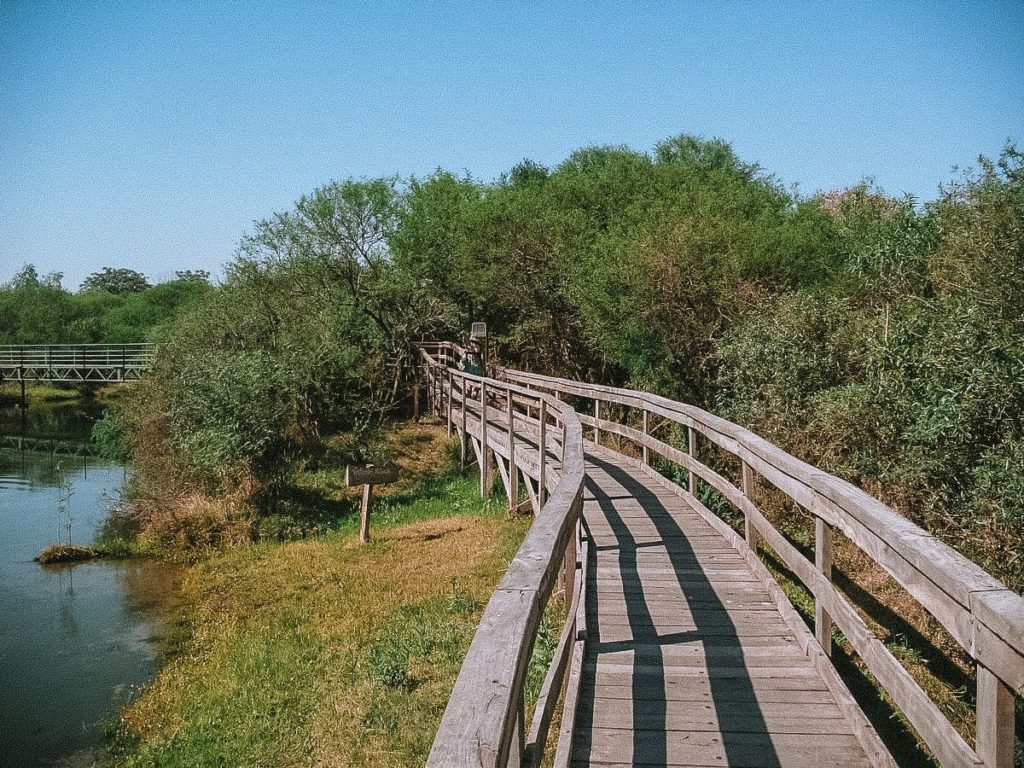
(109, 437)
(232, 414)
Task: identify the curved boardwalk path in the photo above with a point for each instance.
(689, 660)
(679, 648)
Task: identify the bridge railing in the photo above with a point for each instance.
(537, 439)
(983, 615)
(75, 362)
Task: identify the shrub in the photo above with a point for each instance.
(109, 437)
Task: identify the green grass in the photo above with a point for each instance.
(321, 651)
(40, 392)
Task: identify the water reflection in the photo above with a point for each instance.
(75, 642)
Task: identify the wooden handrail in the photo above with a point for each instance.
(982, 614)
(484, 722)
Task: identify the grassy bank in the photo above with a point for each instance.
(39, 393)
(322, 652)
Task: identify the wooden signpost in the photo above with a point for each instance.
(368, 476)
(479, 331)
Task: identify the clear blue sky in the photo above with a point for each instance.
(152, 134)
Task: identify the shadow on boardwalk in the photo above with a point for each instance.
(740, 721)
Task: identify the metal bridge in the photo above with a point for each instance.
(49, 445)
(96, 363)
(101, 363)
(679, 647)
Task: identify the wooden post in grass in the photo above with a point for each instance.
(416, 396)
(368, 476)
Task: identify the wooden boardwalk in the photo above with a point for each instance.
(689, 661)
(679, 648)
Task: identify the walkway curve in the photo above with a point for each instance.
(679, 648)
(689, 659)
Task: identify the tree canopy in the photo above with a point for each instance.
(116, 280)
(876, 337)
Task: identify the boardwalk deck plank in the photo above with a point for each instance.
(689, 661)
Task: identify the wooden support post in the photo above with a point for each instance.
(448, 410)
(569, 567)
(462, 439)
(364, 514)
(646, 450)
(823, 562)
(513, 471)
(995, 721)
(437, 392)
(517, 744)
(485, 464)
(427, 394)
(597, 415)
(750, 532)
(542, 450)
(692, 450)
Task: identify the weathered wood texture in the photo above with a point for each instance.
(689, 660)
(681, 634)
(484, 723)
(985, 617)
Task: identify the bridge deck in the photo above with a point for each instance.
(689, 661)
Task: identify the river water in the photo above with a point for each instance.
(76, 642)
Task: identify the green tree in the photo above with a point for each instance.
(115, 280)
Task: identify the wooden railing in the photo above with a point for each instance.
(984, 617)
(534, 438)
(75, 362)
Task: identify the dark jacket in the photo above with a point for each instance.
(472, 363)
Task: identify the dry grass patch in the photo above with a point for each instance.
(322, 653)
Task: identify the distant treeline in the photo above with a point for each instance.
(876, 337)
(116, 306)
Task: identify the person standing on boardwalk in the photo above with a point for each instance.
(472, 362)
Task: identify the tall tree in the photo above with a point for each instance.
(116, 280)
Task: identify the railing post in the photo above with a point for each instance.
(750, 532)
(463, 438)
(485, 464)
(646, 450)
(995, 738)
(448, 413)
(597, 415)
(691, 449)
(569, 565)
(431, 402)
(513, 472)
(517, 744)
(543, 452)
(435, 403)
(416, 382)
(823, 562)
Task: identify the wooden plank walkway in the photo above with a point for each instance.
(689, 662)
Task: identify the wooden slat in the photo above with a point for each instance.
(551, 687)
(926, 718)
(482, 722)
(737, 633)
(946, 583)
